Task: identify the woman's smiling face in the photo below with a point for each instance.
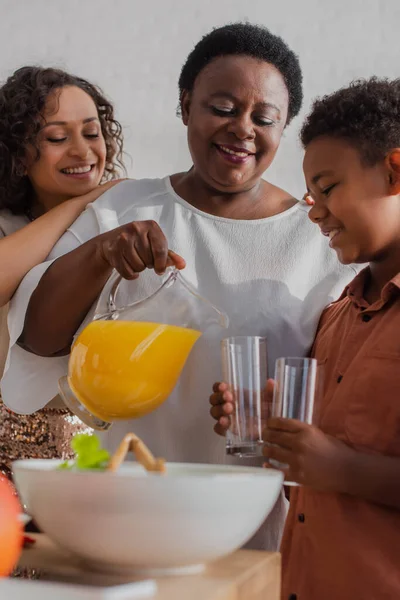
(71, 145)
(235, 116)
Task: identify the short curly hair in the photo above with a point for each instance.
(22, 100)
(366, 114)
(247, 40)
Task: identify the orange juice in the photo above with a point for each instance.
(124, 369)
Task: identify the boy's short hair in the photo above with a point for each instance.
(366, 114)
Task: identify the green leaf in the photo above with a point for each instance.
(85, 443)
(88, 454)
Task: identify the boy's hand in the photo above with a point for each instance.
(314, 459)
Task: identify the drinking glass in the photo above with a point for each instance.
(244, 369)
(294, 392)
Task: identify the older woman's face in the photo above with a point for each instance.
(235, 117)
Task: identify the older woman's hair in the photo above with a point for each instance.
(246, 40)
(22, 101)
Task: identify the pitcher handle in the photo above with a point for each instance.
(112, 305)
(112, 297)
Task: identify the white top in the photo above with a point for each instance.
(8, 224)
(272, 276)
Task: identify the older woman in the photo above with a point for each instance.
(249, 246)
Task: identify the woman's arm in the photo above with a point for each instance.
(73, 282)
(22, 250)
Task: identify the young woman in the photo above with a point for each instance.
(248, 245)
(59, 143)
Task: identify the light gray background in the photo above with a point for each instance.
(134, 50)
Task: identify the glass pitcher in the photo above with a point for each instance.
(126, 362)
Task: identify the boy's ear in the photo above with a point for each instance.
(392, 162)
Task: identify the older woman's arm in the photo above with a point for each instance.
(22, 250)
(71, 284)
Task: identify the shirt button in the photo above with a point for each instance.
(366, 318)
(339, 379)
(301, 517)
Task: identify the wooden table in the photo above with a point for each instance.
(244, 575)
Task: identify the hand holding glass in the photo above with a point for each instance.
(294, 391)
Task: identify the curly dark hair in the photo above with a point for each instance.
(248, 40)
(22, 100)
(366, 114)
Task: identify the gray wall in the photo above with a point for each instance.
(134, 50)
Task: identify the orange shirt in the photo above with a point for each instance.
(335, 546)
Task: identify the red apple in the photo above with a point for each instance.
(11, 528)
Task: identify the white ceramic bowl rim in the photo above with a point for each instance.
(176, 471)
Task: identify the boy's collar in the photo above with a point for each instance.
(355, 290)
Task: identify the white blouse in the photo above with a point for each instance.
(273, 277)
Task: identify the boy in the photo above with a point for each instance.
(342, 535)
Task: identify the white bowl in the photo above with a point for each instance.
(135, 521)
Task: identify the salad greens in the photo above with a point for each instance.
(89, 455)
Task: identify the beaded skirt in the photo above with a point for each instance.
(45, 434)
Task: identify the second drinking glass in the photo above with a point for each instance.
(295, 387)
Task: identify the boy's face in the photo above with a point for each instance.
(355, 205)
